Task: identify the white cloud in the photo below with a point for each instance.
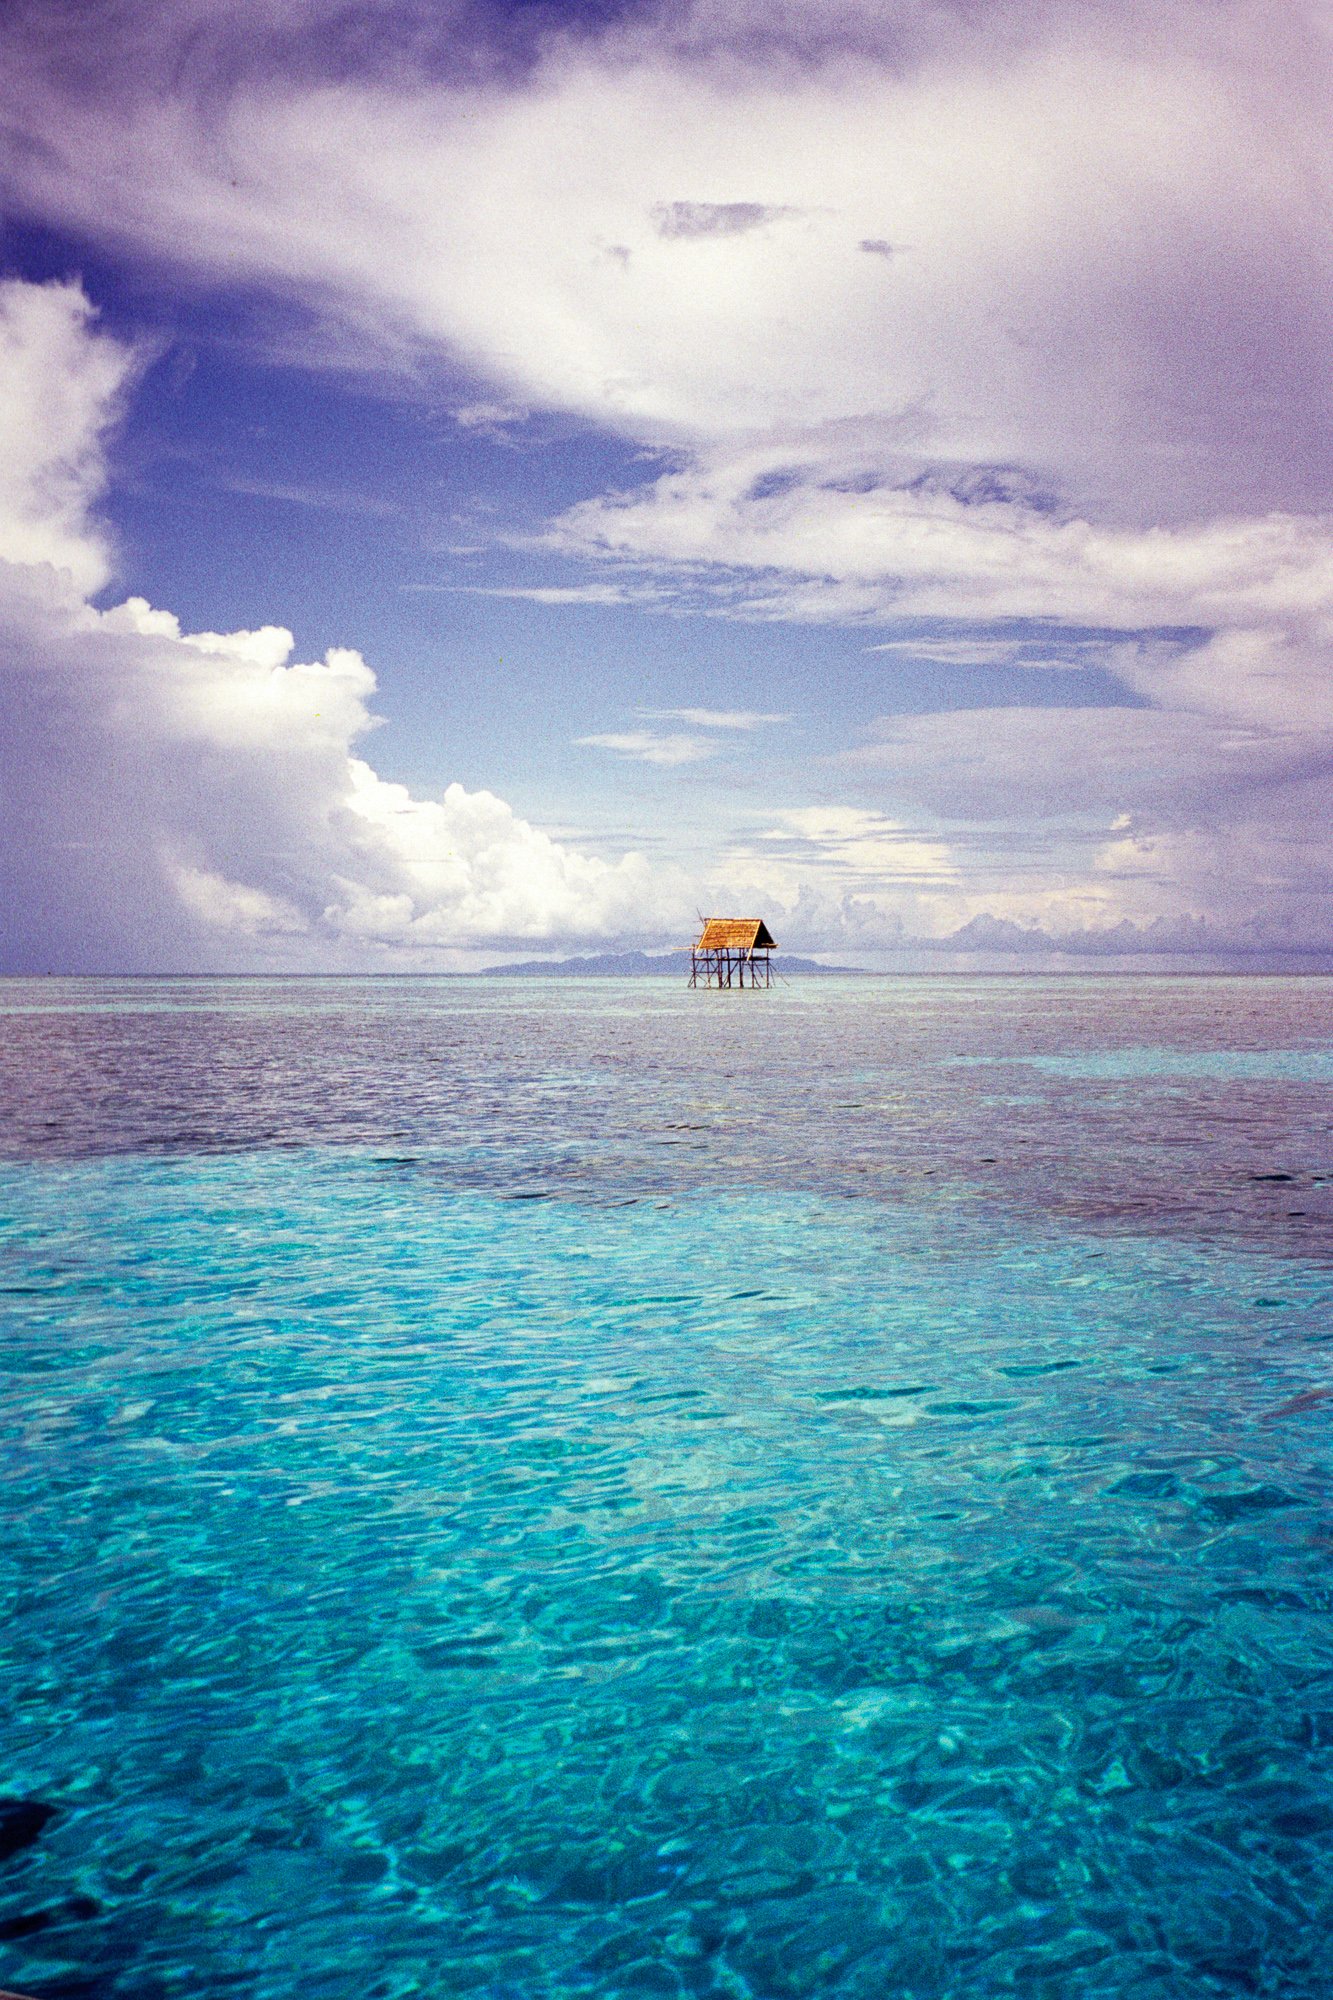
(716, 718)
(825, 544)
(1224, 755)
(171, 798)
(1112, 263)
(553, 594)
(674, 747)
(971, 649)
(59, 392)
(490, 418)
(648, 746)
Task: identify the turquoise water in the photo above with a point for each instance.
(535, 1492)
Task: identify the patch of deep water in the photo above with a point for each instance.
(1191, 1108)
(413, 1590)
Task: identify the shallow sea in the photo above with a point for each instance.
(542, 1488)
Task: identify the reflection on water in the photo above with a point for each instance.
(543, 1491)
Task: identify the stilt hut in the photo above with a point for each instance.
(732, 951)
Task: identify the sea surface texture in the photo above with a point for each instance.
(576, 1489)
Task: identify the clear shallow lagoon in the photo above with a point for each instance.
(537, 1489)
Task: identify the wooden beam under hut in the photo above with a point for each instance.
(733, 952)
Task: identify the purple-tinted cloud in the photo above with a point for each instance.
(677, 219)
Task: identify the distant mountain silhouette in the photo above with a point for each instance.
(639, 965)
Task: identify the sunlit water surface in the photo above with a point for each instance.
(539, 1489)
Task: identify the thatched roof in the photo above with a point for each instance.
(736, 934)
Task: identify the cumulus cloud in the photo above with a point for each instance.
(184, 799)
(60, 392)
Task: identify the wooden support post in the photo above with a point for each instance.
(721, 961)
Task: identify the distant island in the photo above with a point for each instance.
(642, 964)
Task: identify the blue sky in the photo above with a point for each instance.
(867, 464)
